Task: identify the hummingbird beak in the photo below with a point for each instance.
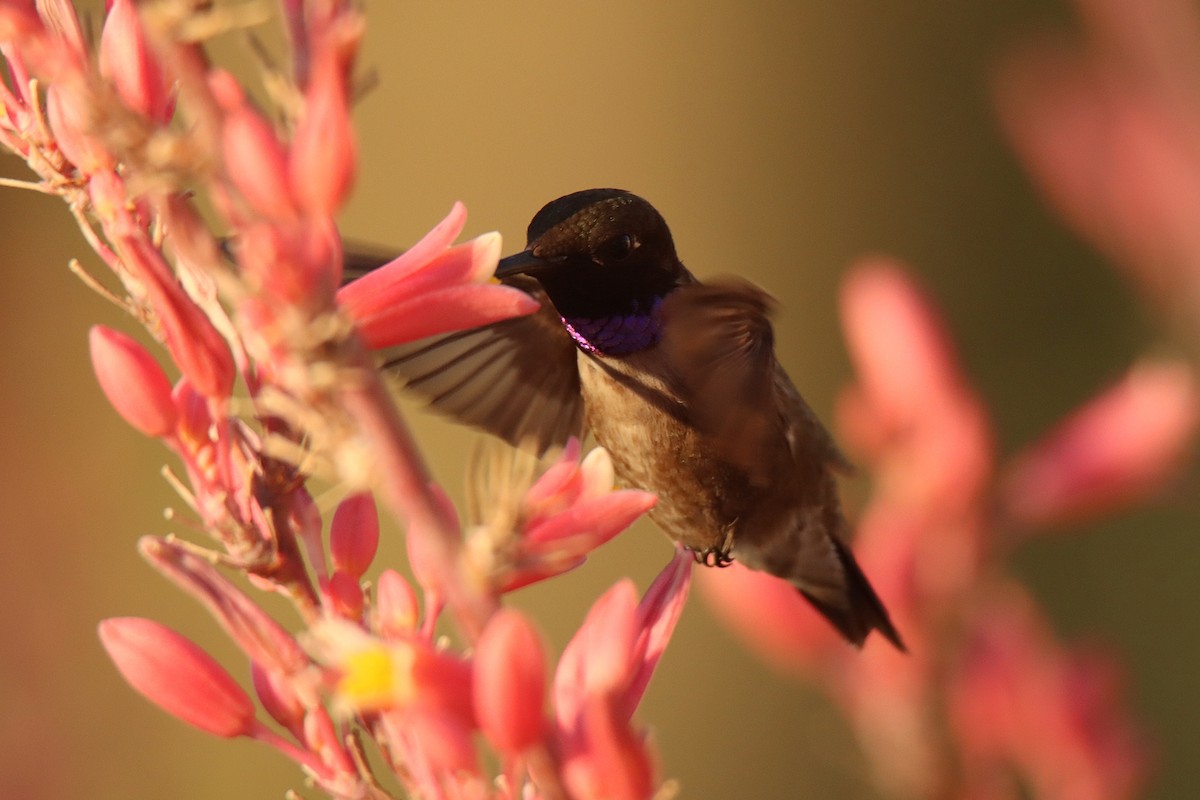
(522, 263)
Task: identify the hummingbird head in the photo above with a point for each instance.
(598, 253)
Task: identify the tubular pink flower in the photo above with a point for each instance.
(396, 613)
(259, 636)
(588, 524)
(615, 651)
(255, 158)
(433, 288)
(1109, 132)
(613, 762)
(292, 263)
(177, 676)
(912, 407)
(130, 63)
(198, 349)
(510, 682)
(569, 511)
(354, 534)
(323, 155)
(1119, 448)
(133, 382)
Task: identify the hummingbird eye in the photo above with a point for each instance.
(616, 248)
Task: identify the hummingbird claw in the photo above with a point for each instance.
(712, 557)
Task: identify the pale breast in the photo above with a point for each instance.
(637, 416)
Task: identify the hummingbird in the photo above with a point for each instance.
(676, 379)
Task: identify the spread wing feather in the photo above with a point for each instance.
(516, 379)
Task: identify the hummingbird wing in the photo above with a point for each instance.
(718, 341)
(517, 379)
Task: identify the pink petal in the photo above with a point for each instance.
(658, 612)
(278, 698)
(254, 158)
(403, 278)
(324, 155)
(177, 676)
(912, 413)
(130, 63)
(343, 595)
(611, 762)
(599, 657)
(360, 293)
(590, 523)
(450, 309)
(258, 635)
(396, 610)
(902, 354)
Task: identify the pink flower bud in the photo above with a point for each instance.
(70, 120)
(195, 419)
(396, 611)
(322, 161)
(343, 594)
(1121, 447)
(133, 382)
(354, 534)
(127, 59)
(177, 676)
(255, 158)
(510, 682)
(277, 697)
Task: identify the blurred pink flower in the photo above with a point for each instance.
(1019, 700)
(129, 61)
(600, 680)
(1110, 130)
(1120, 448)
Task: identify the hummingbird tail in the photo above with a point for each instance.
(858, 610)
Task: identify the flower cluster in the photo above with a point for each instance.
(989, 703)
(276, 385)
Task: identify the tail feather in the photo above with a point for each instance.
(858, 610)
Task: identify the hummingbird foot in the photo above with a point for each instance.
(716, 556)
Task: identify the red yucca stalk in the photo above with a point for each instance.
(261, 325)
(275, 384)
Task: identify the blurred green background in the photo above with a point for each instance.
(780, 140)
